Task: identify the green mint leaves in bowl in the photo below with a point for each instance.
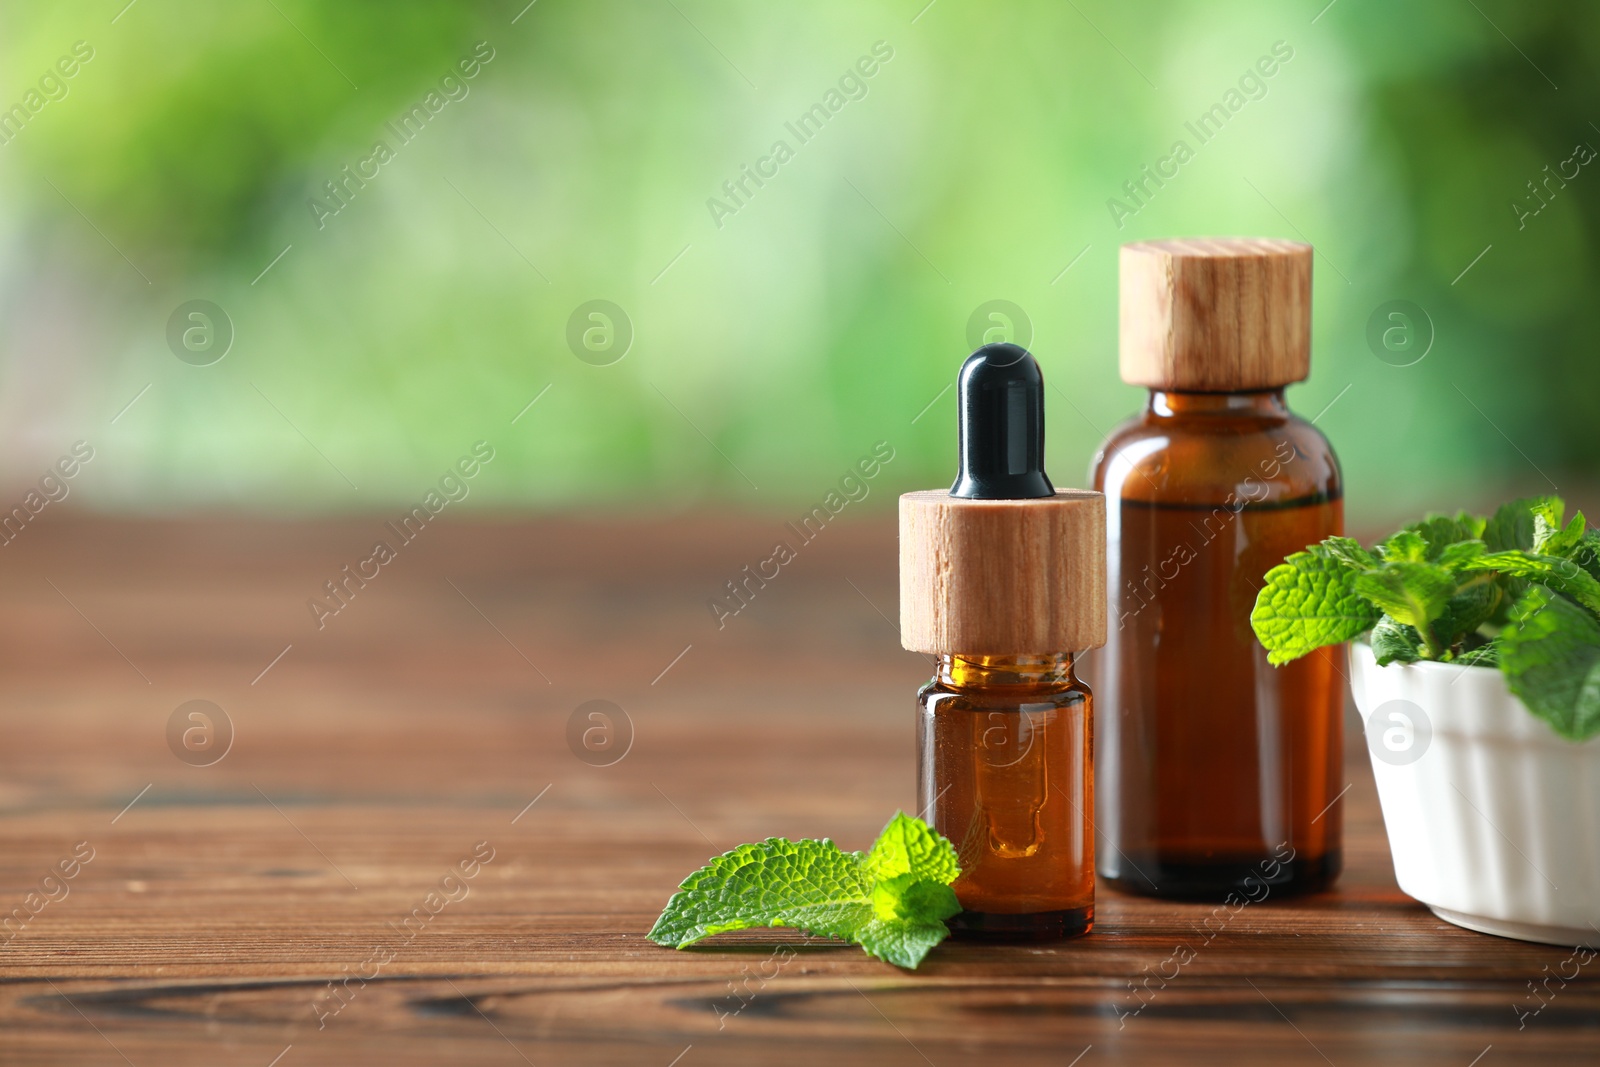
(1520, 589)
(892, 900)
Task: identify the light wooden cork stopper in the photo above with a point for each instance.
(1215, 314)
(989, 577)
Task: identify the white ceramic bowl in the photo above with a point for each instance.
(1493, 820)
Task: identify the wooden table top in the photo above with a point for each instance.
(426, 724)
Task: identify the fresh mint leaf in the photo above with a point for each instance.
(1414, 593)
(1407, 546)
(1550, 538)
(1469, 607)
(1550, 654)
(909, 846)
(1483, 656)
(807, 884)
(1307, 602)
(892, 901)
(1452, 556)
(912, 868)
(1511, 526)
(905, 943)
(1348, 550)
(1562, 575)
(1442, 531)
(1395, 642)
(1587, 554)
(1547, 522)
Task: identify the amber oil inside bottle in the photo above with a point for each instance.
(1217, 772)
(1005, 771)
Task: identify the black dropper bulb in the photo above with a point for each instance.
(1001, 426)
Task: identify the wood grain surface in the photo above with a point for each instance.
(415, 729)
(1214, 314)
(970, 573)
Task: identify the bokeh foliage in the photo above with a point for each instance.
(832, 308)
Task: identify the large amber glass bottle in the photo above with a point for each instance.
(1217, 773)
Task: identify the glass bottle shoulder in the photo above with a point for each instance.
(1256, 451)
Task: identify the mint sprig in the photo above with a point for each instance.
(892, 900)
(1520, 589)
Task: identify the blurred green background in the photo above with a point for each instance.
(775, 342)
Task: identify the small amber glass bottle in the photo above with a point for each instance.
(1003, 579)
(1006, 745)
(1218, 773)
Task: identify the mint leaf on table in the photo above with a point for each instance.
(911, 867)
(892, 901)
(808, 884)
(1550, 655)
(910, 846)
(1309, 601)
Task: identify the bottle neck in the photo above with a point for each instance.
(1172, 403)
(1049, 671)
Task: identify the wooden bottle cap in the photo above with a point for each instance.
(990, 577)
(1215, 314)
